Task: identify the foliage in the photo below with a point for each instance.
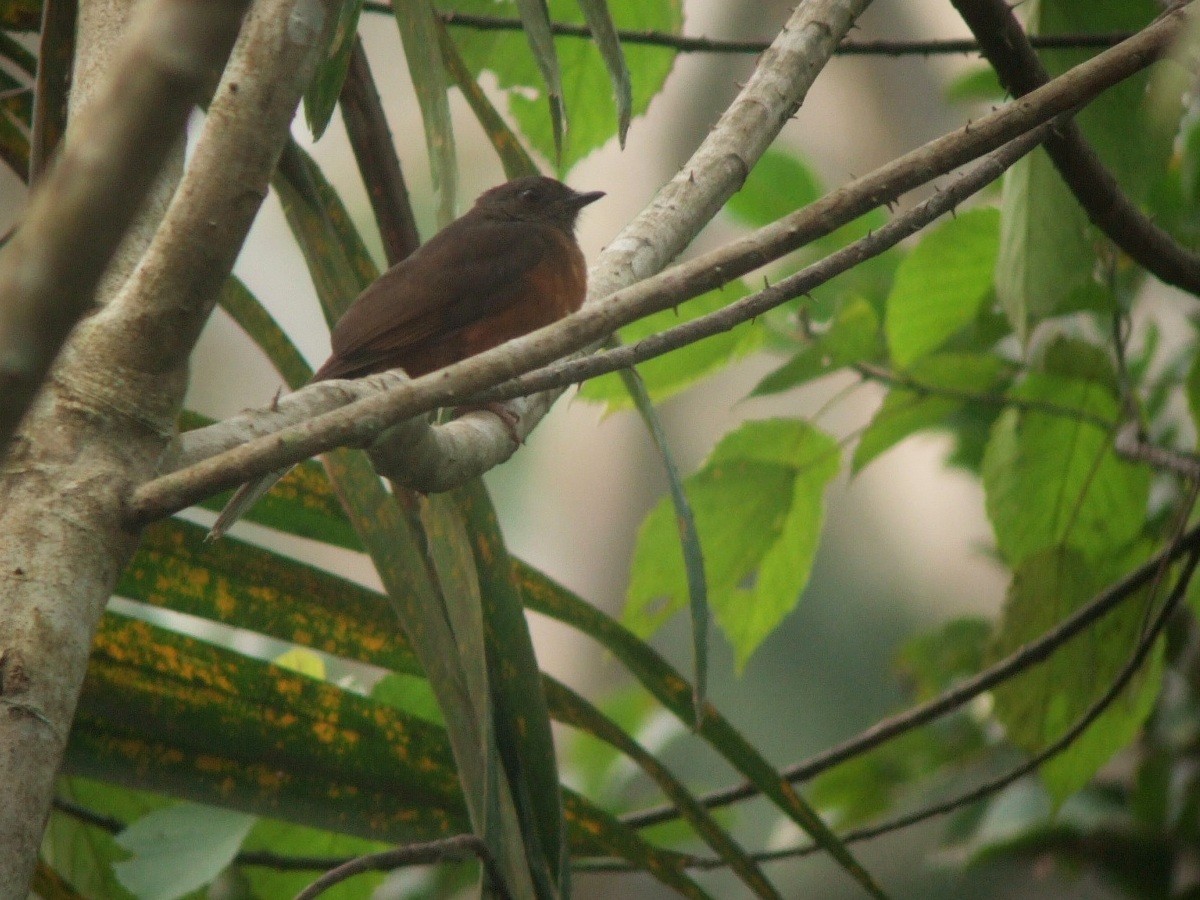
(1014, 328)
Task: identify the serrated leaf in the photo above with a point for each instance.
(1051, 479)
(678, 370)
(852, 336)
(759, 504)
(934, 661)
(907, 410)
(1046, 247)
(180, 849)
(779, 184)
(672, 690)
(940, 286)
(1039, 705)
(587, 87)
(321, 96)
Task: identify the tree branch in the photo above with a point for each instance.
(50, 269)
(1020, 659)
(360, 424)
(687, 44)
(452, 849)
(1109, 209)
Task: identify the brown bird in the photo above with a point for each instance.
(507, 267)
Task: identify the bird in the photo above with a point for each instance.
(508, 266)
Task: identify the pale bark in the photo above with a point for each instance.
(100, 424)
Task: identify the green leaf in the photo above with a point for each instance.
(678, 370)
(522, 718)
(180, 849)
(759, 501)
(852, 337)
(535, 18)
(586, 84)
(870, 784)
(1046, 249)
(290, 840)
(689, 539)
(417, 22)
(908, 409)
(940, 287)
(410, 694)
(1052, 479)
(604, 33)
(931, 663)
(513, 156)
(974, 86)
(583, 715)
(779, 184)
(244, 586)
(672, 690)
(1039, 705)
(321, 96)
(170, 713)
(83, 853)
(1132, 140)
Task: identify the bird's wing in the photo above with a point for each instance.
(461, 275)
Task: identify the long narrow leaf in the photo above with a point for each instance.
(689, 539)
(575, 710)
(536, 19)
(417, 21)
(321, 97)
(672, 690)
(605, 834)
(522, 719)
(165, 712)
(604, 32)
(516, 160)
(245, 586)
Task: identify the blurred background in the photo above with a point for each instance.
(906, 541)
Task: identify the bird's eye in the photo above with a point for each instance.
(529, 195)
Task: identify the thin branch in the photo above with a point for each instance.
(1132, 445)
(360, 424)
(806, 280)
(375, 153)
(75, 222)
(1109, 209)
(1022, 658)
(1093, 712)
(687, 44)
(1046, 407)
(452, 849)
(989, 788)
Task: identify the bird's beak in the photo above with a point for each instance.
(579, 201)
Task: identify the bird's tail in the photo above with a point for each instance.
(244, 498)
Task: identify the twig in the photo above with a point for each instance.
(1107, 206)
(796, 285)
(1019, 660)
(688, 44)
(361, 423)
(453, 849)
